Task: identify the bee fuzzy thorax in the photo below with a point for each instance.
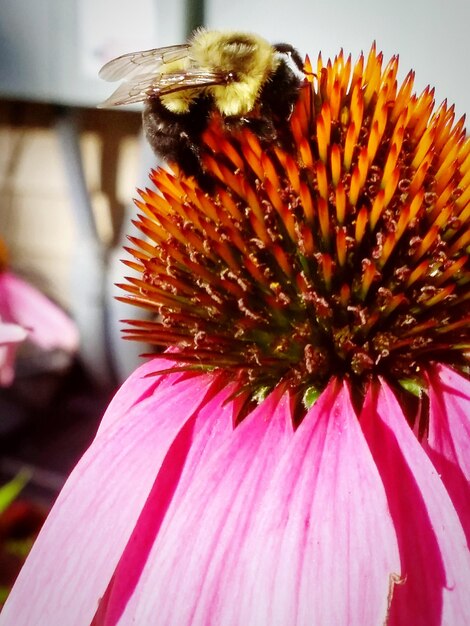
(241, 52)
(249, 60)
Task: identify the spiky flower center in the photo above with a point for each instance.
(340, 251)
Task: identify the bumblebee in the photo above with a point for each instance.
(240, 75)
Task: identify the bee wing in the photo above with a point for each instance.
(130, 91)
(147, 85)
(142, 62)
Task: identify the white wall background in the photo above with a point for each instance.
(46, 46)
(431, 36)
(51, 50)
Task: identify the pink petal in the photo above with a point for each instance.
(435, 559)
(324, 542)
(22, 303)
(142, 384)
(190, 566)
(196, 442)
(449, 437)
(275, 528)
(81, 543)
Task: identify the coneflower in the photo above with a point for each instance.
(343, 254)
(300, 452)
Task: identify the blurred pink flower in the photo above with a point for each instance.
(174, 516)
(26, 312)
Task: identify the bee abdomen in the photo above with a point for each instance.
(175, 136)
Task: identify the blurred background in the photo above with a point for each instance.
(68, 173)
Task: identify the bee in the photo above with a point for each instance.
(243, 77)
